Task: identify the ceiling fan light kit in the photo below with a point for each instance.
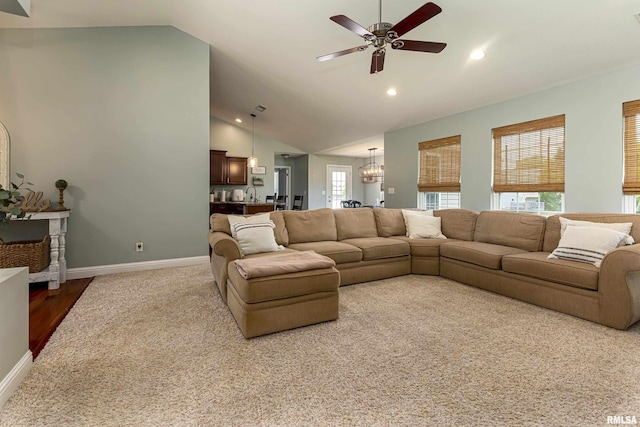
(383, 34)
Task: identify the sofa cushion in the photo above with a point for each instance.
(537, 265)
(354, 223)
(422, 247)
(483, 254)
(340, 252)
(389, 222)
(315, 225)
(280, 232)
(552, 230)
(379, 247)
(281, 286)
(516, 229)
(458, 223)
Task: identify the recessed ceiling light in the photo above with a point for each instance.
(239, 120)
(392, 92)
(477, 54)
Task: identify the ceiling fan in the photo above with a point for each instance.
(381, 34)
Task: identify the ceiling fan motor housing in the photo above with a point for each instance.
(380, 30)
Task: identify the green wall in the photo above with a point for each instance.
(123, 115)
(594, 159)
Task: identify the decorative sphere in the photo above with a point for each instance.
(61, 184)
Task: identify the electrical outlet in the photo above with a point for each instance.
(139, 247)
(392, 190)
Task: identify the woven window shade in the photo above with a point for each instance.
(631, 112)
(440, 165)
(529, 156)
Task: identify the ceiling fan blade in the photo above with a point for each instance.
(377, 61)
(425, 12)
(418, 46)
(351, 25)
(341, 53)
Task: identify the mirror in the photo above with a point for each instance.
(5, 157)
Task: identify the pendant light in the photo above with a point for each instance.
(371, 170)
(252, 161)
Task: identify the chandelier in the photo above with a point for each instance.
(371, 170)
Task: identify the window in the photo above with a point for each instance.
(439, 177)
(631, 183)
(528, 166)
(631, 113)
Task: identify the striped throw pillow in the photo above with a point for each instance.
(587, 244)
(256, 237)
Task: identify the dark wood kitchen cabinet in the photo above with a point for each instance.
(237, 170)
(217, 167)
(225, 170)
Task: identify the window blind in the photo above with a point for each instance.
(631, 113)
(440, 165)
(529, 156)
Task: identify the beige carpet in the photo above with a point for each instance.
(160, 348)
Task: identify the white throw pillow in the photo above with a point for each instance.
(235, 219)
(409, 212)
(622, 227)
(256, 237)
(587, 244)
(424, 226)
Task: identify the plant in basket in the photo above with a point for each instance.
(10, 199)
(32, 254)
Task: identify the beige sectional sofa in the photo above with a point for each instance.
(501, 252)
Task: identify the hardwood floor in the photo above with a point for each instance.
(48, 308)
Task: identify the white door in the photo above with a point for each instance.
(338, 185)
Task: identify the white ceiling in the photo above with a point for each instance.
(263, 52)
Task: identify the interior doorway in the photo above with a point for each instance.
(338, 185)
(282, 183)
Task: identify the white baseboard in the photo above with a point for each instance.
(98, 270)
(13, 379)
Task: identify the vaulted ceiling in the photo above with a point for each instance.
(263, 52)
